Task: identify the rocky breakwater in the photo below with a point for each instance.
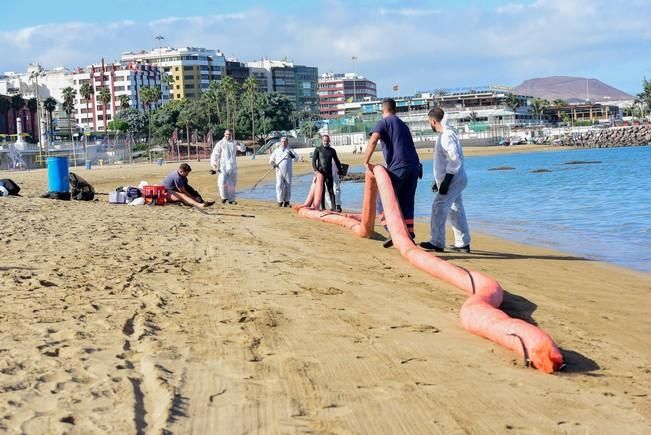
(607, 138)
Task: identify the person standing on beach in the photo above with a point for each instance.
(179, 190)
(401, 158)
(223, 161)
(322, 159)
(449, 182)
(282, 159)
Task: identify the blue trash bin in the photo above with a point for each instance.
(57, 174)
(88, 164)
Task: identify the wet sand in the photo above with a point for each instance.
(121, 319)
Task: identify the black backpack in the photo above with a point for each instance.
(80, 189)
(11, 186)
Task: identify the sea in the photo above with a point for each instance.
(591, 203)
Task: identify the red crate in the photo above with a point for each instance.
(154, 193)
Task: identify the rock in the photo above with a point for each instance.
(539, 171)
(501, 168)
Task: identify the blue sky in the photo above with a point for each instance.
(419, 45)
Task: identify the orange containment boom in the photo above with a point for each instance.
(480, 313)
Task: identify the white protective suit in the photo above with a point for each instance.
(283, 160)
(449, 159)
(223, 160)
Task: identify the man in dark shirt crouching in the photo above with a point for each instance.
(178, 189)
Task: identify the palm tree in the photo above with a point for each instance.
(69, 95)
(147, 98)
(86, 92)
(104, 97)
(125, 102)
(250, 88)
(5, 105)
(538, 106)
(229, 88)
(68, 105)
(17, 103)
(32, 106)
(559, 102)
(50, 105)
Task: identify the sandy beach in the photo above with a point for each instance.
(250, 320)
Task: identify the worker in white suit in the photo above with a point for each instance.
(450, 180)
(282, 159)
(223, 161)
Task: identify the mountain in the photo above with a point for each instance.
(571, 89)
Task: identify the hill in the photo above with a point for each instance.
(571, 89)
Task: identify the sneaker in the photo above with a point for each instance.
(430, 247)
(388, 243)
(339, 209)
(224, 201)
(286, 204)
(281, 204)
(232, 202)
(465, 249)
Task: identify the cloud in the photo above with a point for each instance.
(410, 12)
(419, 49)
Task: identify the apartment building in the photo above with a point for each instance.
(119, 79)
(297, 82)
(189, 69)
(335, 90)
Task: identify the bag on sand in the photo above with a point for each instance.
(80, 189)
(11, 186)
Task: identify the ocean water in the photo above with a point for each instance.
(599, 210)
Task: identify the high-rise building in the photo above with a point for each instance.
(297, 82)
(337, 89)
(190, 69)
(237, 70)
(118, 79)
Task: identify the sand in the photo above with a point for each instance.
(152, 320)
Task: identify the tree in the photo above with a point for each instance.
(538, 106)
(86, 92)
(50, 105)
(69, 95)
(559, 102)
(104, 97)
(229, 89)
(17, 103)
(146, 100)
(5, 105)
(645, 95)
(512, 102)
(125, 102)
(278, 110)
(250, 88)
(32, 106)
(135, 121)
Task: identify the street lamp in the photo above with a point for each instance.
(160, 65)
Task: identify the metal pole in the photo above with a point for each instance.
(160, 66)
(354, 80)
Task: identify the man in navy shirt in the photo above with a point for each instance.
(401, 158)
(178, 189)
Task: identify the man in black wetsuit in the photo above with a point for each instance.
(322, 158)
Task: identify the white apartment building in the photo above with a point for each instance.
(50, 82)
(119, 79)
(190, 69)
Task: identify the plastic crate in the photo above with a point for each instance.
(154, 193)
